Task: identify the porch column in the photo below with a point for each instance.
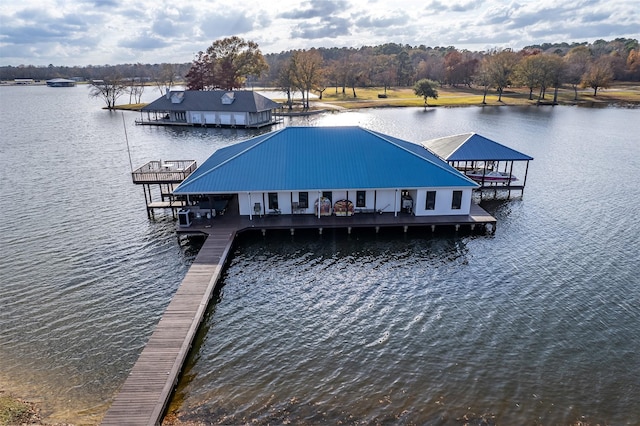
(395, 205)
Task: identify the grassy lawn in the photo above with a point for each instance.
(618, 94)
(464, 96)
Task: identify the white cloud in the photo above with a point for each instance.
(82, 32)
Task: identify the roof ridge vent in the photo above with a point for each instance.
(228, 98)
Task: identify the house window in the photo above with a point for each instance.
(431, 200)
(273, 200)
(303, 200)
(456, 203)
(361, 198)
(327, 194)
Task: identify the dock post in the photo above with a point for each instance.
(320, 231)
(457, 227)
(292, 230)
(433, 228)
(405, 229)
(473, 226)
(264, 232)
(377, 229)
(349, 230)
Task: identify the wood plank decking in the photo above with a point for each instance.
(477, 217)
(145, 393)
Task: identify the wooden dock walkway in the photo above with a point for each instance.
(144, 395)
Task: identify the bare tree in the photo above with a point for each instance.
(285, 79)
(108, 90)
(483, 78)
(165, 78)
(577, 62)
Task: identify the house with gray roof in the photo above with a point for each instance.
(215, 108)
(61, 82)
(326, 171)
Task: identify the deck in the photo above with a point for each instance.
(478, 217)
(145, 393)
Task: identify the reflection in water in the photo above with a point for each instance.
(345, 313)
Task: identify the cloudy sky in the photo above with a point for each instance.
(98, 32)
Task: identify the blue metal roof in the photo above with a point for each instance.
(473, 147)
(321, 158)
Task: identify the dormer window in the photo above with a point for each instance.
(228, 98)
(177, 97)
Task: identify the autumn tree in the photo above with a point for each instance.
(459, 67)
(306, 72)
(599, 75)
(527, 72)
(500, 66)
(633, 64)
(427, 89)
(226, 64)
(200, 75)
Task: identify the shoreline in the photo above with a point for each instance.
(619, 95)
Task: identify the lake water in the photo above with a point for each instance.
(537, 324)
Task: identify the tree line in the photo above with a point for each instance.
(233, 63)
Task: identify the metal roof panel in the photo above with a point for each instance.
(321, 158)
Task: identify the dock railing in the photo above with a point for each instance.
(163, 171)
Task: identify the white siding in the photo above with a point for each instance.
(240, 119)
(225, 119)
(444, 197)
(386, 200)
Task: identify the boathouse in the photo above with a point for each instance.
(487, 162)
(215, 108)
(325, 171)
(61, 82)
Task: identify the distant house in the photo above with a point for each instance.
(211, 108)
(23, 81)
(61, 82)
(328, 171)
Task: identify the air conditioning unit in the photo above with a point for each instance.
(183, 218)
